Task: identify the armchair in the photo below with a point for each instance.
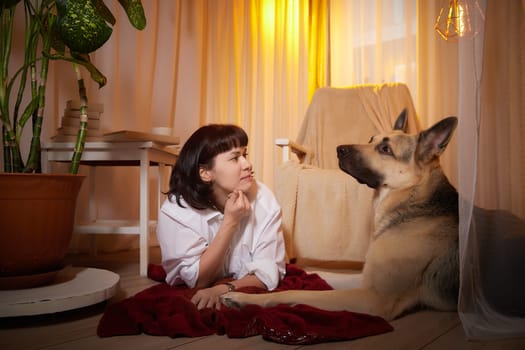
(327, 215)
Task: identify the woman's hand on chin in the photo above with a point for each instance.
(237, 206)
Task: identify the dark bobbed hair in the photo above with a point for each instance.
(199, 151)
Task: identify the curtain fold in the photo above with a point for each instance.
(256, 72)
(491, 172)
(372, 42)
(437, 79)
(318, 46)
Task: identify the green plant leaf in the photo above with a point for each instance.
(135, 13)
(80, 26)
(83, 60)
(96, 75)
(104, 12)
(56, 39)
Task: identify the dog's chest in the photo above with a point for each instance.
(397, 212)
(384, 213)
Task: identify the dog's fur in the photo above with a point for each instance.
(412, 260)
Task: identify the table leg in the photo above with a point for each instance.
(93, 210)
(45, 162)
(144, 212)
(161, 184)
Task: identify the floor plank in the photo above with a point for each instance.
(429, 325)
(38, 332)
(223, 342)
(124, 342)
(455, 339)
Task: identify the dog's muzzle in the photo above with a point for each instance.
(343, 151)
(352, 163)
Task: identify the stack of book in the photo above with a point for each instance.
(71, 122)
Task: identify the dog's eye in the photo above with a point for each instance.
(385, 149)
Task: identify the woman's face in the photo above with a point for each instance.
(231, 171)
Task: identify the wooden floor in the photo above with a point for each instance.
(77, 329)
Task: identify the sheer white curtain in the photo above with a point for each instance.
(491, 173)
(255, 72)
(437, 79)
(373, 42)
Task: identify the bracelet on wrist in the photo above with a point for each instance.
(230, 286)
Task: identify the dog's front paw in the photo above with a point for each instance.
(232, 299)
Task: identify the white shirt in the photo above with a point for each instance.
(258, 248)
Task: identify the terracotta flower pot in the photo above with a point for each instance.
(37, 213)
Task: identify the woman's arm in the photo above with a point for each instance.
(211, 261)
(210, 297)
(268, 256)
(181, 245)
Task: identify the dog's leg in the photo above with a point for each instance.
(356, 300)
(337, 280)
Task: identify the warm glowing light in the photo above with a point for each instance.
(268, 15)
(317, 46)
(463, 23)
(286, 30)
(460, 19)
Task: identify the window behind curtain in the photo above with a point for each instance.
(373, 41)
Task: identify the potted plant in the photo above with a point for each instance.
(67, 30)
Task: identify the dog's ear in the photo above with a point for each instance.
(433, 141)
(401, 121)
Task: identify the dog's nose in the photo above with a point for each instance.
(343, 151)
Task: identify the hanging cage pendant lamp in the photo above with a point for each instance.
(458, 19)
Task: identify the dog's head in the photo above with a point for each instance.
(396, 159)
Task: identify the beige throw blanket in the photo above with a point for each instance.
(327, 215)
(339, 116)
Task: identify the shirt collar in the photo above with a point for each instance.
(212, 214)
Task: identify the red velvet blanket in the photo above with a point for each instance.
(168, 311)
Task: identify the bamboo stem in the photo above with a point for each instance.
(34, 159)
(81, 135)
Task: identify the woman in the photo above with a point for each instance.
(218, 221)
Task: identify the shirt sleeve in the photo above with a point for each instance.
(181, 249)
(268, 255)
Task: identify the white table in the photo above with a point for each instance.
(129, 153)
